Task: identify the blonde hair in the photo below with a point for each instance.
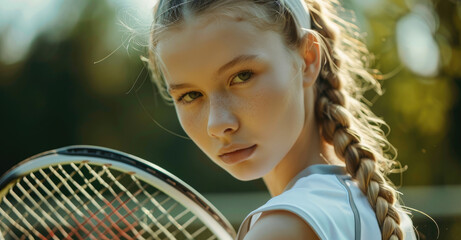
(344, 118)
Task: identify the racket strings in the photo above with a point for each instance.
(36, 205)
(41, 212)
(80, 237)
(116, 197)
(29, 211)
(109, 204)
(23, 197)
(165, 212)
(84, 201)
(45, 199)
(134, 199)
(67, 180)
(73, 209)
(56, 189)
(172, 220)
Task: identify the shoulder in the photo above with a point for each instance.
(279, 224)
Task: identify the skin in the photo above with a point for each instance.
(273, 107)
(268, 227)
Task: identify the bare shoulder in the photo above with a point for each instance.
(279, 224)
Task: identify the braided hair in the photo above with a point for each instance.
(344, 120)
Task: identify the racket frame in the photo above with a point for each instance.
(127, 163)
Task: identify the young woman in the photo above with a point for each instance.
(272, 89)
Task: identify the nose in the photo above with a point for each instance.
(221, 120)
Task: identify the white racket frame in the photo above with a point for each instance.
(124, 162)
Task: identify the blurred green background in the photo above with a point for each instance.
(70, 73)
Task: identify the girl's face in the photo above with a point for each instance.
(235, 87)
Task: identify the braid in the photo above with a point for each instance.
(338, 127)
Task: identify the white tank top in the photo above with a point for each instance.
(331, 203)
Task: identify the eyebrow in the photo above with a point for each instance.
(230, 64)
(237, 60)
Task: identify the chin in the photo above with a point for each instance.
(245, 174)
(243, 177)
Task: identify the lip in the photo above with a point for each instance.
(236, 155)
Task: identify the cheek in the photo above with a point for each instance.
(277, 104)
(194, 124)
(276, 116)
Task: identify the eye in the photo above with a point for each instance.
(242, 77)
(189, 97)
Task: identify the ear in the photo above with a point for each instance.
(310, 54)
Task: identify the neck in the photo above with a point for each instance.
(306, 151)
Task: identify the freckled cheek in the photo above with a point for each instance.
(275, 113)
(269, 103)
(194, 124)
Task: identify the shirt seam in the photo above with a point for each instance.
(353, 206)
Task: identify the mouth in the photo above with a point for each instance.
(237, 156)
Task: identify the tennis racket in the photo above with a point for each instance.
(89, 192)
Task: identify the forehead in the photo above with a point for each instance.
(203, 46)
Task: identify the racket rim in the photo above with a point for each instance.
(14, 173)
